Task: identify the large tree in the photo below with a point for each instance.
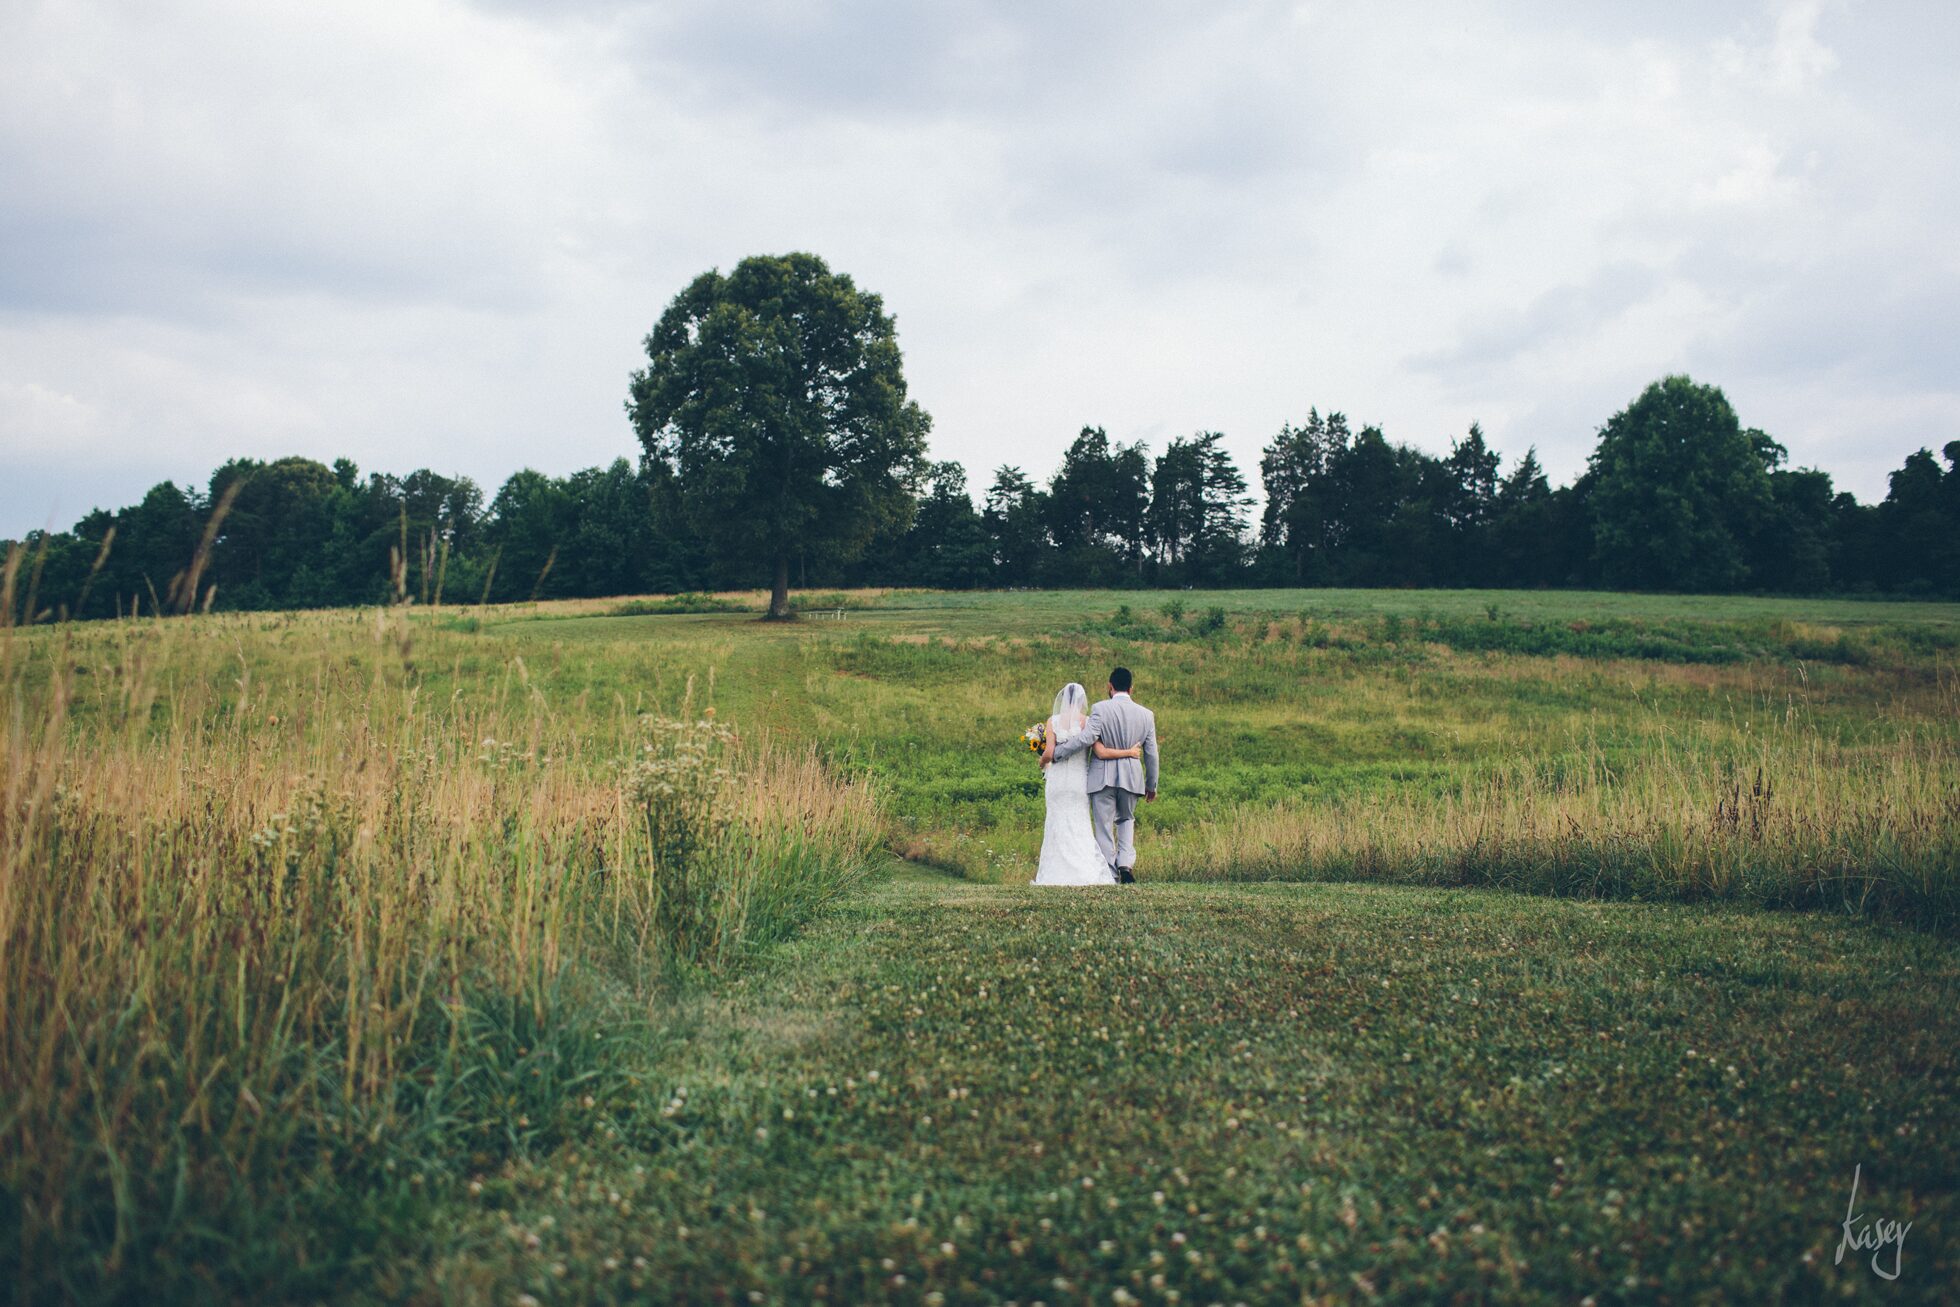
(1679, 489)
(777, 395)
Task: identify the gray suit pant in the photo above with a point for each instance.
(1113, 813)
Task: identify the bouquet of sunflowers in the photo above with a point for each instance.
(1036, 737)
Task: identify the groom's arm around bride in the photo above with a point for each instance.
(1115, 785)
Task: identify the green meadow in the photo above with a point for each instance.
(1524, 946)
(1775, 751)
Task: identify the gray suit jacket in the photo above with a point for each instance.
(1120, 723)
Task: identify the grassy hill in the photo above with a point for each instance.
(367, 954)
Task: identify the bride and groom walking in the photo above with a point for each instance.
(1098, 763)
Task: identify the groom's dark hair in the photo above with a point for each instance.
(1119, 680)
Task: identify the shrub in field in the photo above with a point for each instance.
(680, 603)
(676, 787)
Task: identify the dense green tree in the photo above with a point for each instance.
(681, 559)
(1521, 526)
(1295, 532)
(947, 547)
(1177, 507)
(418, 530)
(1098, 503)
(777, 393)
(1918, 525)
(272, 547)
(609, 542)
(1465, 497)
(1198, 507)
(1015, 516)
(1679, 490)
(141, 550)
(529, 518)
(1794, 546)
(1367, 480)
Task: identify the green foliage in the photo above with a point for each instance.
(777, 395)
(1341, 509)
(1098, 511)
(1678, 490)
(1015, 522)
(680, 603)
(947, 546)
(1197, 511)
(676, 786)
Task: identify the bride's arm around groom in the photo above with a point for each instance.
(1120, 723)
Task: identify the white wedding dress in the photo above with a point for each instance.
(1069, 855)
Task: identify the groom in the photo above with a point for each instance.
(1120, 722)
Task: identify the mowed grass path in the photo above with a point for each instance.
(1203, 1093)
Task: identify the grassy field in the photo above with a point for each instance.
(1262, 1094)
(366, 954)
(1773, 751)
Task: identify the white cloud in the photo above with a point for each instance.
(432, 233)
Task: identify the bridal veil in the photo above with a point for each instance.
(1071, 709)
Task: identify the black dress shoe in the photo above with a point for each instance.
(1123, 876)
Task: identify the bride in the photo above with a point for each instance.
(1069, 855)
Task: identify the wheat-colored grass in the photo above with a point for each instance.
(255, 898)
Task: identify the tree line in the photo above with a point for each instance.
(1676, 496)
(778, 446)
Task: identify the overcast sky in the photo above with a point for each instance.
(433, 233)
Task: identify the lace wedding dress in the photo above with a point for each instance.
(1069, 855)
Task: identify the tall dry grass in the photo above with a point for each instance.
(284, 943)
(1789, 816)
